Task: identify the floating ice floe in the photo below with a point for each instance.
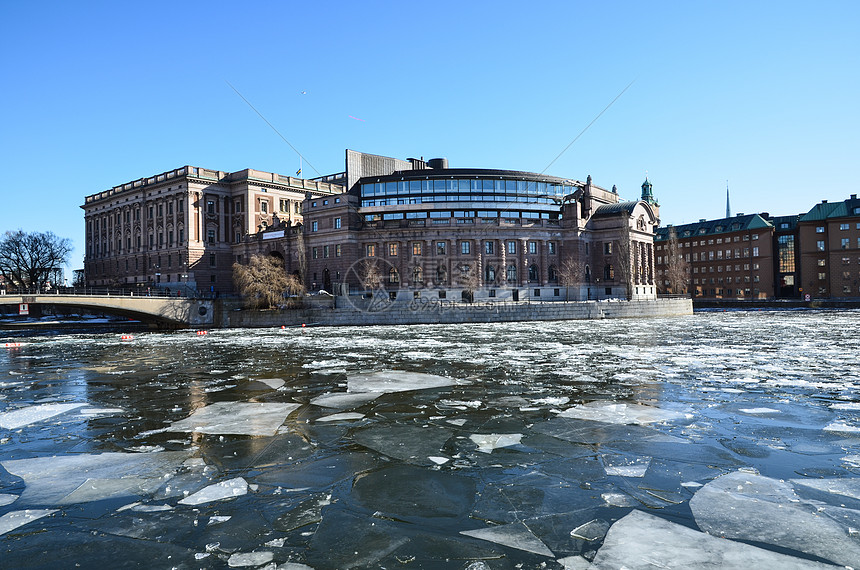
(32, 414)
(388, 381)
(640, 541)
(846, 406)
(236, 418)
(438, 460)
(218, 519)
(224, 490)
(80, 478)
(751, 507)
(244, 559)
(625, 466)
(100, 411)
(513, 535)
(618, 499)
(273, 383)
(7, 499)
(615, 413)
(345, 400)
(845, 487)
(591, 531)
(488, 442)
(343, 416)
(841, 427)
(12, 520)
(759, 411)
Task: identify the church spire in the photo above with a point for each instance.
(728, 206)
(647, 194)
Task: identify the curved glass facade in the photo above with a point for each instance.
(462, 190)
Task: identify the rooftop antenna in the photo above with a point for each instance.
(265, 120)
(728, 206)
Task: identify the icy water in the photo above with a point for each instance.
(715, 440)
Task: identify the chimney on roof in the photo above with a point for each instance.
(853, 196)
(739, 214)
(702, 220)
(765, 215)
(824, 201)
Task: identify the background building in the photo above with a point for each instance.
(830, 249)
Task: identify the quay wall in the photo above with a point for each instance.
(441, 312)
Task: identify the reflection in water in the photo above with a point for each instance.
(510, 443)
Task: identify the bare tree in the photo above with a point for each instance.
(369, 274)
(624, 257)
(470, 280)
(677, 268)
(571, 272)
(263, 281)
(28, 259)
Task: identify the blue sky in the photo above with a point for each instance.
(763, 95)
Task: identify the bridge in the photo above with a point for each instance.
(160, 311)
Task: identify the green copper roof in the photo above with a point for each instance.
(826, 210)
(714, 227)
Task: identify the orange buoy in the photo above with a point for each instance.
(14, 344)
(201, 333)
(126, 337)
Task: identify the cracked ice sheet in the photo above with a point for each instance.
(625, 466)
(69, 479)
(626, 414)
(643, 541)
(513, 535)
(488, 442)
(11, 521)
(236, 418)
(32, 414)
(846, 487)
(751, 507)
(396, 381)
(344, 401)
(223, 490)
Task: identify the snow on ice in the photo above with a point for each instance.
(236, 418)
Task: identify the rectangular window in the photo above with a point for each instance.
(315, 226)
(181, 235)
(325, 251)
(822, 262)
(607, 248)
(337, 223)
(211, 260)
(844, 226)
(846, 243)
(337, 250)
(315, 252)
(755, 252)
(551, 247)
(210, 236)
(264, 206)
(465, 247)
(512, 247)
(819, 229)
(370, 250)
(533, 247)
(416, 248)
(822, 276)
(285, 206)
(488, 247)
(392, 249)
(210, 206)
(440, 248)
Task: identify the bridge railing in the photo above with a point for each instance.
(186, 292)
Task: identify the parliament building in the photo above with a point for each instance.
(411, 227)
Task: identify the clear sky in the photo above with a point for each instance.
(764, 95)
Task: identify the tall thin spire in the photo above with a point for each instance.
(728, 206)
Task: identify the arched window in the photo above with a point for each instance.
(533, 273)
(552, 274)
(490, 274)
(587, 274)
(441, 274)
(393, 277)
(512, 273)
(417, 275)
(608, 273)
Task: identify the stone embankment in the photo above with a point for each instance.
(348, 312)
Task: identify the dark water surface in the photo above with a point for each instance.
(512, 445)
